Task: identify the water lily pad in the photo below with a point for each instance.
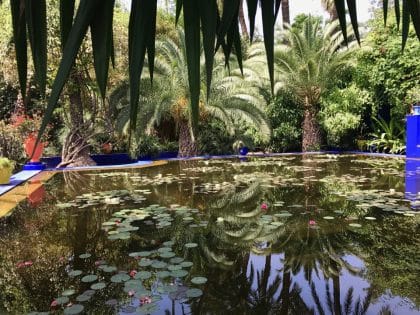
(163, 274)
(143, 275)
(62, 300)
(109, 223)
(169, 243)
(68, 292)
(164, 249)
(89, 292)
(119, 278)
(109, 269)
(176, 260)
(186, 264)
(355, 225)
(74, 309)
(83, 298)
(277, 223)
(98, 286)
(147, 308)
(75, 273)
(199, 280)
(193, 293)
(167, 254)
(328, 218)
(145, 262)
(174, 267)
(191, 245)
(165, 289)
(179, 273)
(89, 278)
(370, 218)
(283, 215)
(144, 254)
(85, 256)
(159, 265)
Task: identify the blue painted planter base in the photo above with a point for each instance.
(34, 166)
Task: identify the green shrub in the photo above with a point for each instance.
(145, 145)
(213, 138)
(11, 143)
(286, 117)
(341, 115)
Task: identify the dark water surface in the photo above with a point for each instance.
(285, 235)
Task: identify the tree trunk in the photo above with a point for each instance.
(311, 137)
(187, 146)
(76, 149)
(242, 20)
(285, 12)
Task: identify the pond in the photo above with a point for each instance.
(315, 234)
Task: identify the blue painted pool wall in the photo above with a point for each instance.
(413, 136)
(412, 178)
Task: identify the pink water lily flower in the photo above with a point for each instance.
(133, 273)
(264, 206)
(312, 222)
(54, 303)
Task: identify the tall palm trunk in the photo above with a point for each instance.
(311, 137)
(242, 20)
(285, 12)
(76, 150)
(187, 145)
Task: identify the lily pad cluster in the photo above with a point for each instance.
(113, 197)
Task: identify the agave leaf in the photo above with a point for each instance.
(252, 11)
(192, 47)
(415, 15)
(19, 37)
(267, 8)
(142, 22)
(397, 12)
(385, 9)
(351, 4)
(36, 18)
(66, 19)
(341, 12)
(208, 15)
(85, 12)
(178, 10)
(405, 22)
(101, 34)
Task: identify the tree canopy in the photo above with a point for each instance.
(217, 21)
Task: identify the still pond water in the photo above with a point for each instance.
(283, 235)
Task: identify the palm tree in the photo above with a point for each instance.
(329, 6)
(233, 100)
(308, 65)
(285, 12)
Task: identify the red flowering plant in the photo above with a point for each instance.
(28, 126)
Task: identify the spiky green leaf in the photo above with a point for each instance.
(101, 34)
(19, 37)
(192, 47)
(66, 19)
(36, 19)
(208, 17)
(84, 15)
